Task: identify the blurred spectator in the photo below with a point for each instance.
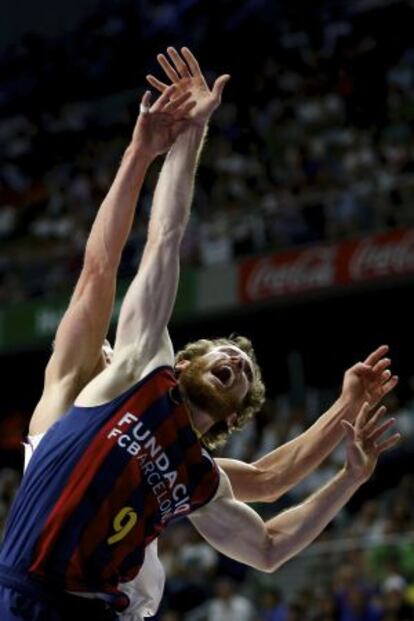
(226, 605)
(306, 152)
(272, 607)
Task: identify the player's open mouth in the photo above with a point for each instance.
(223, 374)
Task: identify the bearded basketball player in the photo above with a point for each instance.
(128, 458)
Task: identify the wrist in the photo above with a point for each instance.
(193, 135)
(200, 123)
(349, 406)
(352, 477)
(137, 150)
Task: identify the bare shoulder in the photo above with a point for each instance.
(59, 393)
(128, 367)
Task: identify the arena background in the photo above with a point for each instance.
(302, 239)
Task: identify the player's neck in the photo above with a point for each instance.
(200, 420)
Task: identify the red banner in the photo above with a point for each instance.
(319, 267)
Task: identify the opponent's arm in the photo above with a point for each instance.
(82, 330)
(280, 470)
(149, 301)
(148, 304)
(237, 531)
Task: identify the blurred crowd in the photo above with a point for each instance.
(362, 568)
(314, 141)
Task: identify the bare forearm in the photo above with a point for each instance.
(174, 192)
(115, 216)
(148, 304)
(293, 530)
(289, 464)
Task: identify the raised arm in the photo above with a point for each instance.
(237, 531)
(280, 470)
(149, 301)
(78, 344)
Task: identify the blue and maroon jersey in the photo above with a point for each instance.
(103, 483)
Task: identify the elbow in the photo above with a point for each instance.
(264, 560)
(268, 563)
(275, 553)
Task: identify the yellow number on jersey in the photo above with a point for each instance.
(123, 526)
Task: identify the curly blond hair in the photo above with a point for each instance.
(253, 401)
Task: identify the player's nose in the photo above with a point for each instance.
(237, 362)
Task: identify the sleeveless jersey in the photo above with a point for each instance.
(104, 482)
(146, 589)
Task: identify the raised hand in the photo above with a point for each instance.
(159, 124)
(365, 441)
(370, 380)
(184, 72)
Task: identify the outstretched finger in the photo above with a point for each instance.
(388, 443)
(379, 431)
(376, 355)
(179, 64)
(168, 68)
(156, 83)
(362, 416)
(387, 386)
(184, 110)
(375, 418)
(219, 85)
(173, 104)
(383, 378)
(381, 365)
(391, 384)
(145, 103)
(163, 99)
(192, 62)
(349, 430)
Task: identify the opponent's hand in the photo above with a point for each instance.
(184, 72)
(365, 441)
(159, 124)
(370, 380)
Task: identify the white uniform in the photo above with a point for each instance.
(145, 591)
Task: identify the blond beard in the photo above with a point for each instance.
(210, 399)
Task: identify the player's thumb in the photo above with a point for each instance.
(349, 430)
(219, 85)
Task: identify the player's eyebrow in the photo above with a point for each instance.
(234, 350)
(229, 349)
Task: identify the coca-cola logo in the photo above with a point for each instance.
(311, 269)
(374, 258)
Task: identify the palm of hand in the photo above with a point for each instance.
(200, 93)
(368, 384)
(370, 380)
(365, 440)
(361, 459)
(184, 72)
(362, 387)
(159, 130)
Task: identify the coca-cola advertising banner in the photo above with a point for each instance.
(318, 267)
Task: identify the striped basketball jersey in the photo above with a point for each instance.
(103, 483)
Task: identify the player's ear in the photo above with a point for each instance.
(231, 420)
(181, 366)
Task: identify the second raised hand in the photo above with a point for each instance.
(159, 124)
(365, 440)
(184, 72)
